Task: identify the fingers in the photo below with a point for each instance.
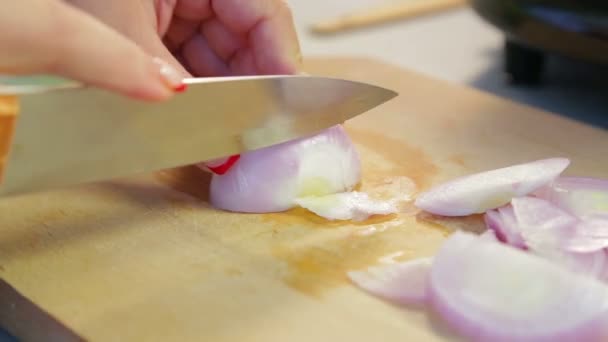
(164, 13)
(243, 63)
(197, 10)
(202, 60)
(224, 42)
(59, 39)
(253, 36)
(270, 28)
(179, 32)
(275, 44)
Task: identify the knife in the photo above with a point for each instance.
(56, 133)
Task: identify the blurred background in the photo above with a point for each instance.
(456, 44)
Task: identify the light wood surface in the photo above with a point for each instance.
(146, 259)
(385, 13)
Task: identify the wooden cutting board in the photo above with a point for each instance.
(147, 259)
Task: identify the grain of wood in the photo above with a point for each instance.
(147, 259)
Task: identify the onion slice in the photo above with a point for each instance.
(585, 264)
(491, 292)
(579, 196)
(591, 235)
(502, 221)
(477, 193)
(402, 283)
(356, 206)
(545, 226)
(489, 235)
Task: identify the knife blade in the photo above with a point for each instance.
(60, 134)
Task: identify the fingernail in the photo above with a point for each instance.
(172, 78)
(181, 88)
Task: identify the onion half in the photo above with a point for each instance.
(271, 179)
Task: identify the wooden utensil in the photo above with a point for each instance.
(384, 14)
(146, 259)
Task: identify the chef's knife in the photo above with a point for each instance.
(58, 133)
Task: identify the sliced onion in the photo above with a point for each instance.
(270, 179)
(547, 227)
(592, 264)
(477, 193)
(402, 283)
(579, 196)
(356, 206)
(491, 292)
(489, 235)
(591, 235)
(502, 221)
(543, 225)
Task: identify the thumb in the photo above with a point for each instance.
(63, 40)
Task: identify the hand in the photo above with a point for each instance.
(50, 36)
(208, 37)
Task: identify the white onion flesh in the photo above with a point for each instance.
(403, 283)
(491, 292)
(271, 179)
(477, 193)
(355, 206)
(489, 235)
(579, 196)
(541, 224)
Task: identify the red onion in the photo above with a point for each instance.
(477, 193)
(546, 289)
(544, 225)
(489, 235)
(402, 283)
(271, 179)
(541, 224)
(591, 235)
(551, 233)
(491, 292)
(594, 264)
(502, 221)
(579, 196)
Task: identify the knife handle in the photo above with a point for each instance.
(9, 107)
